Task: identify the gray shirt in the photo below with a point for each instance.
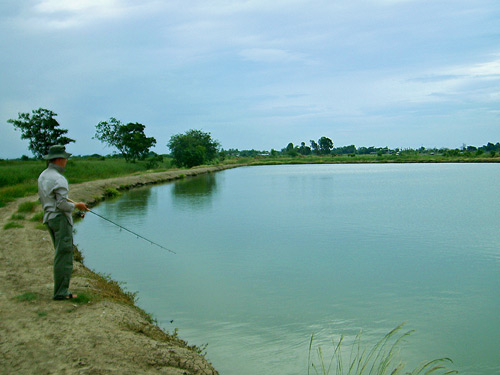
(53, 190)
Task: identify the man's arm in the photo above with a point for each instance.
(80, 205)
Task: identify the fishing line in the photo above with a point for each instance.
(135, 234)
(128, 230)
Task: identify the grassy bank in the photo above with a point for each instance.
(19, 178)
(354, 159)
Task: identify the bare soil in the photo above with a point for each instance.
(104, 336)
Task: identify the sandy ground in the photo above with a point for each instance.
(41, 336)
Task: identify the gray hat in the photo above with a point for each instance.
(56, 152)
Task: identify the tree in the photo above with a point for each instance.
(42, 130)
(304, 150)
(291, 150)
(325, 145)
(129, 139)
(193, 148)
(314, 146)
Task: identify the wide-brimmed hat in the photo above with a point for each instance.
(56, 152)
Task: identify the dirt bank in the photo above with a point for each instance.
(104, 336)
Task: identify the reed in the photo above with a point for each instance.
(381, 359)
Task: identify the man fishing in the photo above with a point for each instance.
(53, 190)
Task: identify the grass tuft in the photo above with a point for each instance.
(37, 217)
(112, 193)
(381, 359)
(27, 207)
(41, 226)
(83, 298)
(77, 254)
(111, 289)
(12, 224)
(17, 217)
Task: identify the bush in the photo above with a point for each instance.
(193, 148)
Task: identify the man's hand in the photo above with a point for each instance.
(82, 206)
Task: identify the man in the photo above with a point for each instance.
(53, 190)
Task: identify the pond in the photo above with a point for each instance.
(267, 256)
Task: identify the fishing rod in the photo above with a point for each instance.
(128, 230)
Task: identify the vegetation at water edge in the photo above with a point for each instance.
(383, 358)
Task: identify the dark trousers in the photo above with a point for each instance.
(62, 236)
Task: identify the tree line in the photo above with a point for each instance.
(195, 147)
(324, 146)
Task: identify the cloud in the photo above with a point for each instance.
(489, 69)
(68, 14)
(478, 81)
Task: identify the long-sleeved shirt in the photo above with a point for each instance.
(53, 191)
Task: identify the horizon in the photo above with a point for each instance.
(118, 154)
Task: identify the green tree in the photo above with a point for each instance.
(42, 130)
(193, 148)
(325, 145)
(291, 150)
(129, 139)
(314, 147)
(304, 150)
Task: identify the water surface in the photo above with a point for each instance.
(266, 256)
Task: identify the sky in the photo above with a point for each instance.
(256, 74)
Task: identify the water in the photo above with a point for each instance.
(266, 256)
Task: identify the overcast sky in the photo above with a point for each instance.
(256, 73)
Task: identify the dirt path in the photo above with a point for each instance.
(41, 336)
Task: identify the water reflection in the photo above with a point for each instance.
(135, 206)
(195, 193)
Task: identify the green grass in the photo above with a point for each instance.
(353, 159)
(112, 193)
(37, 217)
(27, 207)
(19, 178)
(10, 193)
(383, 358)
(27, 297)
(17, 217)
(12, 224)
(82, 298)
(111, 289)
